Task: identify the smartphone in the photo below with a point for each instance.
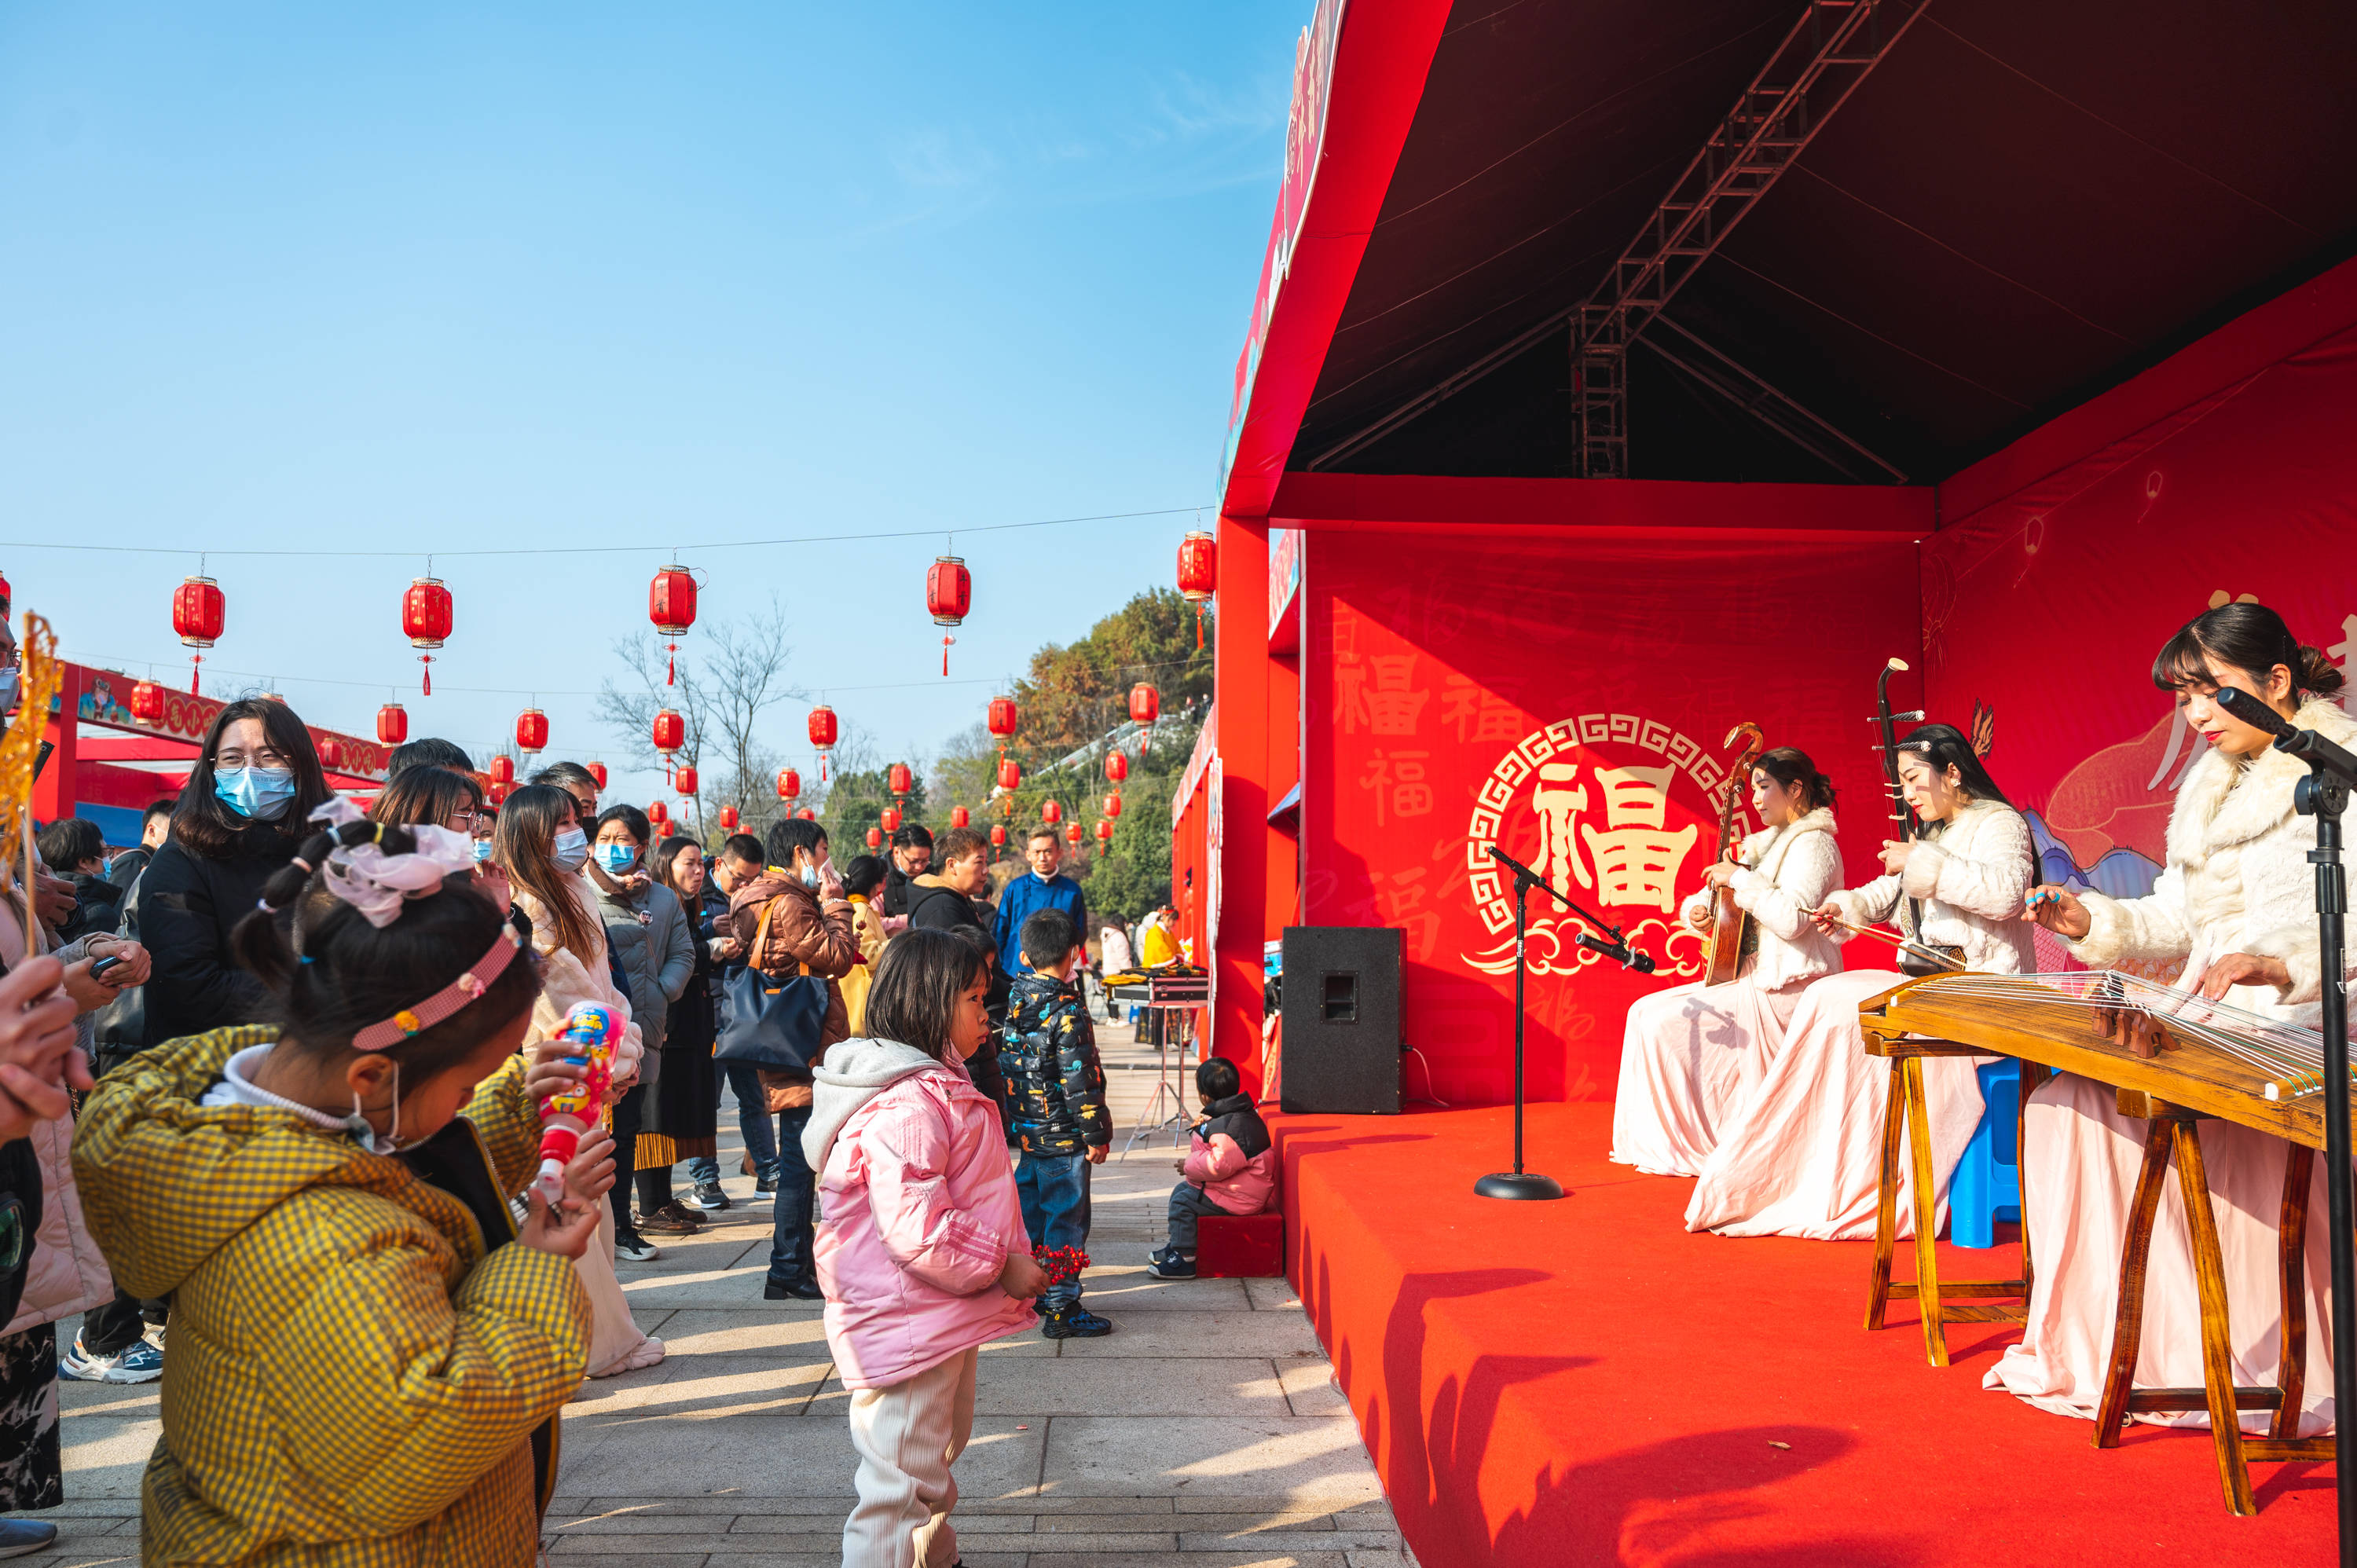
(99, 969)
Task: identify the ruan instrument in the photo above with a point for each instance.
(1727, 920)
(1910, 826)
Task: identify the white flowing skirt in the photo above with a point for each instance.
(2079, 1160)
(1690, 1058)
(616, 1342)
(1803, 1156)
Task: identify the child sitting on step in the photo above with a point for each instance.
(1230, 1167)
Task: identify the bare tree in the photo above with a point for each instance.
(723, 698)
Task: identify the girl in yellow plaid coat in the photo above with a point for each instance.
(368, 1355)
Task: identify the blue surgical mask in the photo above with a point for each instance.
(616, 858)
(572, 847)
(257, 794)
(810, 875)
(9, 681)
(483, 851)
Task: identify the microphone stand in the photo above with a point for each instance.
(2324, 795)
(1519, 1183)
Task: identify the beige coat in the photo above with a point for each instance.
(1787, 872)
(66, 1274)
(1971, 879)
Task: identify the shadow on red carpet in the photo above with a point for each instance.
(1586, 1382)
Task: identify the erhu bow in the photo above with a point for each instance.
(1727, 918)
(1911, 827)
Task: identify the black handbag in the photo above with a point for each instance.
(774, 1022)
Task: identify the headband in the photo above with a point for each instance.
(446, 1001)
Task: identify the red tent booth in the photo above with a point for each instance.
(1578, 422)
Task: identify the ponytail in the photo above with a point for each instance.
(2247, 636)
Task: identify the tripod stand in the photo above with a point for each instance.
(1519, 1183)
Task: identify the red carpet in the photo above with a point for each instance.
(1585, 1382)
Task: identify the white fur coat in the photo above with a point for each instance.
(1787, 872)
(2238, 879)
(1971, 879)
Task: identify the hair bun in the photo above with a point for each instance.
(2317, 673)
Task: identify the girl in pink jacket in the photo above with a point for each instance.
(921, 1249)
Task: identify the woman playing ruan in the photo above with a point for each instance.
(2236, 903)
(1804, 1158)
(1692, 1056)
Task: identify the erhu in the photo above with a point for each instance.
(1727, 918)
(1915, 954)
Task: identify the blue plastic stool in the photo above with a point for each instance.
(1987, 1187)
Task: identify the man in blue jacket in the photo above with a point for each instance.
(1027, 895)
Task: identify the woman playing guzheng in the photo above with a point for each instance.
(1804, 1157)
(1693, 1055)
(2236, 902)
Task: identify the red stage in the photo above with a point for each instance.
(1586, 1382)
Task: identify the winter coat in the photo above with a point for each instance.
(1113, 956)
(1055, 1084)
(1230, 1158)
(935, 905)
(128, 865)
(568, 979)
(1970, 876)
(919, 1212)
(1026, 896)
(803, 935)
(2237, 878)
(897, 890)
(1156, 945)
(648, 931)
(98, 908)
(188, 904)
(1787, 872)
(357, 1371)
(869, 927)
(20, 1183)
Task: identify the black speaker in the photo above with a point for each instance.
(1341, 1010)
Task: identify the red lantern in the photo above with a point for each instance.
(1117, 765)
(1112, 804)
(890, 819)
(1104, 832)
(498, 794)
(503, 769)
(790, 784)
(531, 732)
(821, 736)
(658, 814)
(1198, 574)
(1052, 813)
(875, 839)
(332, 754)
(998, 835)
(670, 733)
(1072, 834)
(958, 817)
(425, 620)
(391, 723)
(198, 613)
(684, 780)
(671, 605)
(1003, 716)
(727, 819)
(595, 771)
(806, 814)
(1144, 707)
(147, 702)
(897, 780)
(949, 594)
(1010, 775)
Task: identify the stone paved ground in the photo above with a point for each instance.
(1205, 1424)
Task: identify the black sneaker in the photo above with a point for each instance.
(766, 1185)
(709, 1199)
(1167, 1265)
(799, 1290)
(1074, 1322)
(634, 1246)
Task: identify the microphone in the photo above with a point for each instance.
(1619, 952)
(2305, 743)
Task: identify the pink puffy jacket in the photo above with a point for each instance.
(918, 1211)
(1237, 1184)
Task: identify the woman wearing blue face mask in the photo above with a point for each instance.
(443, 798)
(653, 943)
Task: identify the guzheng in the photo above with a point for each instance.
(2130, 1032)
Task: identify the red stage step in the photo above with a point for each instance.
(1585, 1381)
(1240, 1246)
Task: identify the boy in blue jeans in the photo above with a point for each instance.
(1055, 1088)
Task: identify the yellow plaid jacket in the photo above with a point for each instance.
(350, 1378)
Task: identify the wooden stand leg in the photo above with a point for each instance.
(1885, 1215)
(1927, 1212)
(2033, 1077)
(2217, 1343)
(2292, 1376)
(2127, 1319)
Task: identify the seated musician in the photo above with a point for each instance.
(2237, 903)
(1691, 1055)
(1805, 1158)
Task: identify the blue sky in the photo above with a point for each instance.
(441, 277)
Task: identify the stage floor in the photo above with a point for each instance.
(1586, 1382)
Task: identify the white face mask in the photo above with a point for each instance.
(367, 1136)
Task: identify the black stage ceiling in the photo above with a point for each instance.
(2027, 201)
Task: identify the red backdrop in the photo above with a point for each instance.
(1572, 703)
